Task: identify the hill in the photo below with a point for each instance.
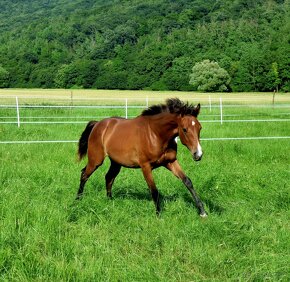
(143, 45)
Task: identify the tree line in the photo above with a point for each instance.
(154, 44)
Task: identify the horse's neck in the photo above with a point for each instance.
(165, 125)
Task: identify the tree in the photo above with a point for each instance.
(4, 78)
(176, 77)
(209, 76)
(66, 76)
(252, 69)
(273, 77)
(43, 77)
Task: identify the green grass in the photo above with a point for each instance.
(47, 236)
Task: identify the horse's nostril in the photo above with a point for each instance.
(197, 157)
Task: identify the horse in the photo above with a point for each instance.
(147, 141)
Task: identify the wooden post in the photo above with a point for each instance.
(273, 99)
(126, 108)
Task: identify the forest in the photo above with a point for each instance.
(153, 44)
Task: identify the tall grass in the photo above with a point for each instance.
(45, 235)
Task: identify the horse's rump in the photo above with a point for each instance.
(119, 139)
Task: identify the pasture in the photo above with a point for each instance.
(45, 235)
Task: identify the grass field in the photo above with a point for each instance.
(47, 236)
(65, 96)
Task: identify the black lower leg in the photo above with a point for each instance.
(157, 200)
(187, 182)
(83, 181)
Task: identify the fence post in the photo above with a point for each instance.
(209, 101)
(273, 98)
(126, 108)
(221, 109)
(71, 98)
(147, 102)
(17, 112)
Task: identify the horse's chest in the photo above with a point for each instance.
(167, 156)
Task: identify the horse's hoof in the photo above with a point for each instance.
(203, 215)
(79, 197)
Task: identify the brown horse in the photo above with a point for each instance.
(146, 142)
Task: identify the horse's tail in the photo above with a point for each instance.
(83, 142)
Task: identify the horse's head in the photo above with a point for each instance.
(189, 132)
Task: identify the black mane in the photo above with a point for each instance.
(173, 106)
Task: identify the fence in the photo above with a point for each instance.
(216, 109)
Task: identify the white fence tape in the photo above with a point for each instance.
(23, 120)
(202, 139)
(96, 118)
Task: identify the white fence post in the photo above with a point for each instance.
(147, 102)
(221, 109)
(209, 101)
(126, 108)
(17, 112)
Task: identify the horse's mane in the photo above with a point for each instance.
(173, 106)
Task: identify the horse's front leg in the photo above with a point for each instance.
(178, 172)
(147, 172)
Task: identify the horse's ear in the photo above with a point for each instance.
(196, 110)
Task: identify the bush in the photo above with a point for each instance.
(209, 76)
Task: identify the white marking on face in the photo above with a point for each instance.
(198, 151)
(193, 123)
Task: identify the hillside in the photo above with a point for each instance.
(143, 45)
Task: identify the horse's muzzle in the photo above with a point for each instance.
(197, 157)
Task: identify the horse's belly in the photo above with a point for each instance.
(124, 154)
(126, 160)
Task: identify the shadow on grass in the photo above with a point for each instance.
(85, 205)
(131, 194)
(80, 208)
(210, 206)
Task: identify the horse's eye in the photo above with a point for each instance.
(184, 130)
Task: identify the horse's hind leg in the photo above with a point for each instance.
(87, 171)
(110, 177)
(85, 174)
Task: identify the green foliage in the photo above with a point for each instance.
(176, 77)
(150, 45)
(274, 76)
(4, 78)
(209, 76)
(81, 73)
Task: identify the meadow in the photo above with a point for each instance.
(45, 235)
